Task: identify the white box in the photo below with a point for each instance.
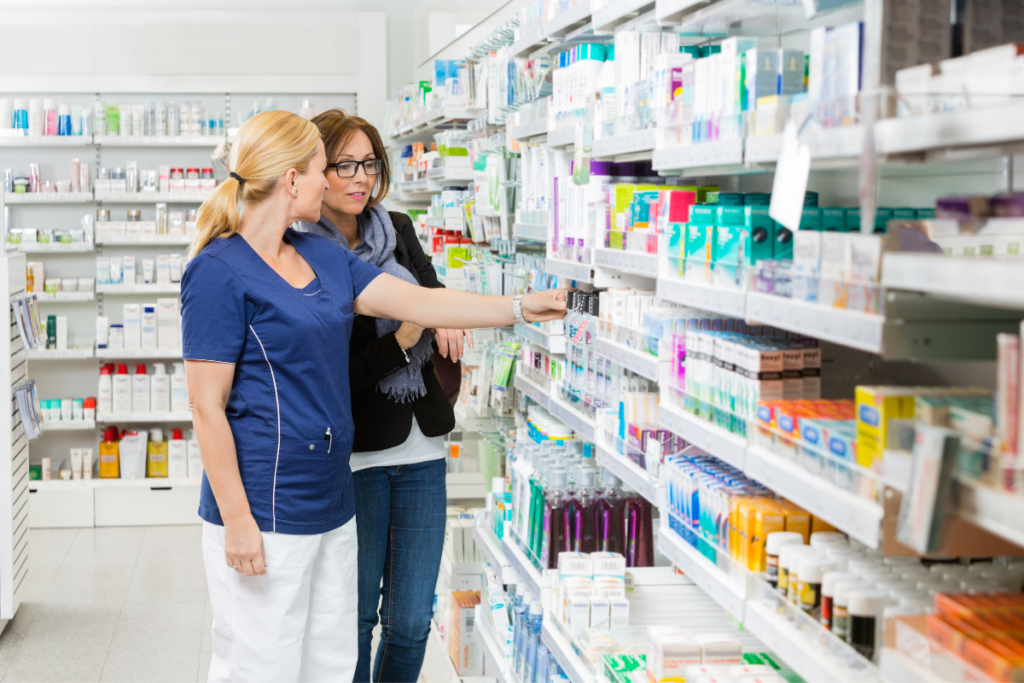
(600, 613)
(577, 616)
(168, 324)
(132, 326)
(62, 332)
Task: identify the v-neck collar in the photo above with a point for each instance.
(289, 235)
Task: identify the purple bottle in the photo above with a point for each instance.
(611, 508)
(639, 532)
(582, 514)
(554, 541)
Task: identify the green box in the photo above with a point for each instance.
(810, 219)
(924, 214)
(853, 220)
(730, 215)
(882, 217)
(760, 231)
(782, 242)
(833, 219)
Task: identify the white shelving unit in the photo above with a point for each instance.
(142, 418)
(64, 297)
(153, 288)
(724, 445)
(524, 569)
(45, 140)
(581, 272)
(153, 240)
(153, 197)
(528, 231)
(727, 591)
(54, 247)
(585, 427)
(60, 354)
(533, 390)
(117, 354)
(562, 649)
(488, 641)
(634, 360)
(636, 263)
(69, 425)
(158, 140)
(631, 474)
(554, 343)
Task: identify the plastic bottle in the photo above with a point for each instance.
(156, 454)
(639, 532)
(611, 507)
(179, 390)
(555, 500)
(519, 635)
(104, 393)
(306, 111)
(122, 390)
(140, 389)
(534, 620)
(582, 514)
(160, 390)
(49, 117)
(177, 456)
(149, 333)
(109, 461)
(195, 460)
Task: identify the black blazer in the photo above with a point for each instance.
(379, 421)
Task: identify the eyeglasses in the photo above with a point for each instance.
(348, 169)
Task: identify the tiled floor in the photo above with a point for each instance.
(115, 604)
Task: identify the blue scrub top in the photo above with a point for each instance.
(290, 349)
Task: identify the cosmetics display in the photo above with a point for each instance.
(32, 182)
(165, 269)
(152, 117)
(147, 454)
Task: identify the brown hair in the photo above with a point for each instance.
(336, 128)
(267, 145)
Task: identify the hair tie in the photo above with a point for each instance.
(240, 179)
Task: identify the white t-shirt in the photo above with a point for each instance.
(416, 449)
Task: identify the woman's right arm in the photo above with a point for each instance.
(209, 385)
(381, 357)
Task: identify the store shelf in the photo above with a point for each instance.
(59, 354)
(151, 288)
(466, 485)
(153, 197)
(617, 12)
(426, 125)
(635, 145)
(724, 590)
(523, 567)
(451, 175)
(413, 186)
(580, 272)
(568, 20)
(584, 426)
(531, 129)
(48, 198)
(136, 418)
(529, 40)
(896, 667)
(552, 343)
(976, 126)
(145, 482)
(470, 421)
(643, 364)
(562, 137)
(837, 325)
(489, 642)
(114, 354)
(839, 144)
(69, 425)
(628, 471)
(491, 547)
(563, 652)
(858, 517)
(698, 155)
(645, 265)
(725, 446)
(45, 140)
(671, 11)
(995, 511)
(159, 141)
(533, 390)
(730, 302)
(981, 280)
(798, 650)
(54, 247)
(64, 297)
(529, 231)
(437, 650)
(146, 240)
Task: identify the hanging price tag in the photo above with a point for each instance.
(791, 172)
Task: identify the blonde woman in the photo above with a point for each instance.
(267, 315)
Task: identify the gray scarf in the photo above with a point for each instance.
(377, 246)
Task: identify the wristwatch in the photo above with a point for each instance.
(517, 308)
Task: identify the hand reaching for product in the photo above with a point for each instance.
(243, 546)
(451, 341)
(539, 307)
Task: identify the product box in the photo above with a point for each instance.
(719, 649)
(462, 647)
(875, 407)
(577, 616)
(670, 652)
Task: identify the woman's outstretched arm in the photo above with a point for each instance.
(389, 297)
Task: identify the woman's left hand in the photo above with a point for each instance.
(539, 307)
(450, 342)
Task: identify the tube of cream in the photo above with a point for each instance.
(102, 331)
(147, 270)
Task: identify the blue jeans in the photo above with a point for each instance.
(400, 520)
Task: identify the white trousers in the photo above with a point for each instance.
(297, 622)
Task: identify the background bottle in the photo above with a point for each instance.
(122, 391)
(109, 461)
(179, 390)
(553, 541)
(177, 456)
(195, 460)
(104, 393)
(611, 516)
(160, 390)
(156, 454)
(140, 389)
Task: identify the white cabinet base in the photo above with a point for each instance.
(147, 506)
(54, 509)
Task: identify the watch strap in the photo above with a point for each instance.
(517, 308)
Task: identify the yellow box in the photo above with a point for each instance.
(875, 407)
(765, 518)
(798, 520)
(818, 524)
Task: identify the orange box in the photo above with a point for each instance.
(818, 524)
(798, 520)
(999, 658)
(765, 517)
(462, 646)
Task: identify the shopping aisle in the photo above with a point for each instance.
(111, 604)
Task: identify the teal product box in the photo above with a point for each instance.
(703, 214)
(791, 72)
(904, 214)
(697, 241)
(730, 215)
(762, 75)
(708, 50)
(810, 198)
(853, 220)
(641, 206)
(833, 219)
(882, 217)
(760, 235)
(730, 199)
(757, 199)
(782, 242)
(810, 219)
(924, 214)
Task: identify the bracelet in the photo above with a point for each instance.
(404, 352)
(517, 308)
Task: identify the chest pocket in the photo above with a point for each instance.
(348, 309)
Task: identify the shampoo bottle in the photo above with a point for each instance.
(553, 541)
(160, 390)
(177, 456)
(179, 390)
(611, 516)
(195, 460)
(140, 389)
(156, 454)
(109, 461)
(122, 391)
(104, 394)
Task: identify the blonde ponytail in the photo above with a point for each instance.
(265, 148)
